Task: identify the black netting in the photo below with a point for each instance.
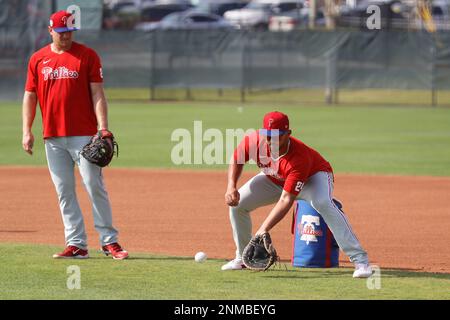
(245, 61)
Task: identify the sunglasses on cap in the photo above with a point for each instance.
(273, 132)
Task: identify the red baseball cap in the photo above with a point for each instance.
(62, 21)
(274, 124)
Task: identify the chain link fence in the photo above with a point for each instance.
(239, 65)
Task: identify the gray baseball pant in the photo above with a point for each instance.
(318, 191)
(62, 154)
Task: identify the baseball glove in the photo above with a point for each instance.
(260, 254)
(101, 149)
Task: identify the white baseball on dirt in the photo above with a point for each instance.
(200, 257)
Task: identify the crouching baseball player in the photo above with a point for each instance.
(66, 78)
(290, 170)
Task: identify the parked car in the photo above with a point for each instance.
(288, 21)
(124, 6)
(156, 10)
(392, 12)
(219, 7)
(189, 20)
(296, 19)
(258, 12)
(126, 14)
(121, 15)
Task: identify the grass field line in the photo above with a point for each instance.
(248, 169)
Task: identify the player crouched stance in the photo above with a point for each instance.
(290, 170)
(66, 78)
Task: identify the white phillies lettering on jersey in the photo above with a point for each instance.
(59, 73)
(307, 228)
(269, 171)
(269, 167)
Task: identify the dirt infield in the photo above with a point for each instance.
(402, 222)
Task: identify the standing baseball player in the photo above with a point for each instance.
(290, 170)
(66, 78)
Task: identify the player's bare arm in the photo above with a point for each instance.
(28, 114)
(100, 105)
(278, 212)
(232, 196)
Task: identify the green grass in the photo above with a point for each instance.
(355, 139)
(29, 272)
(380, 97)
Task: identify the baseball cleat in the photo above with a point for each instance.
(235, 264)
(362, 270)
(115, 250)
(72, 252)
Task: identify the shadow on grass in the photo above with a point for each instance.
(322, 273)
(161, 258)
(306, 274)
(413, 274)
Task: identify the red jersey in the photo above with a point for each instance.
(62, 84)
(290, 171)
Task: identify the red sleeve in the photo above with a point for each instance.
(247, 149)
(297, 177)
(95, 67)
(31, 83)
(241, 153)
